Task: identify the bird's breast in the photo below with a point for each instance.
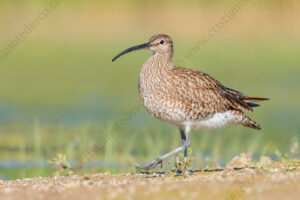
(161, 101)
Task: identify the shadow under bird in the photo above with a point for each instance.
(187, 98)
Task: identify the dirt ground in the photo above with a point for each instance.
(275, 180)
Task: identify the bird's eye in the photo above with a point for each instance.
(162, 41)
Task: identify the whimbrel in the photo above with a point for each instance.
(187, 98)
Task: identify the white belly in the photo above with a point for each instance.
(216, 121)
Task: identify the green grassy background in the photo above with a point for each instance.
(60, 92)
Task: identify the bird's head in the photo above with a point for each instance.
(160, 43)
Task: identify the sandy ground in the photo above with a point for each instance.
(270, 181)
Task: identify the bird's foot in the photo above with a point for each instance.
(152, 164)
(181, 168)
(187, 172)
(184, 172)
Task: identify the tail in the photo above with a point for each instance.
(245, 120)
(248, 122)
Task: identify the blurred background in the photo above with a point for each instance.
(66, 108)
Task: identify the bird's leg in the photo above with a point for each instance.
(159, 160)
(183, 138)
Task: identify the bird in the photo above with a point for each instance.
(186, 98)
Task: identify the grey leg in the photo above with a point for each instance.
(183, 138)
(159, 160)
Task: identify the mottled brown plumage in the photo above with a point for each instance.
(187, 98)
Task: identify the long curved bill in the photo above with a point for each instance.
(142, 46)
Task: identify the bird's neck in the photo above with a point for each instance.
(160, 61)
(155, 69)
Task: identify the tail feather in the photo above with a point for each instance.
(251, 124)
(245, 120)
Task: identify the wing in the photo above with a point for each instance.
(200, 88)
